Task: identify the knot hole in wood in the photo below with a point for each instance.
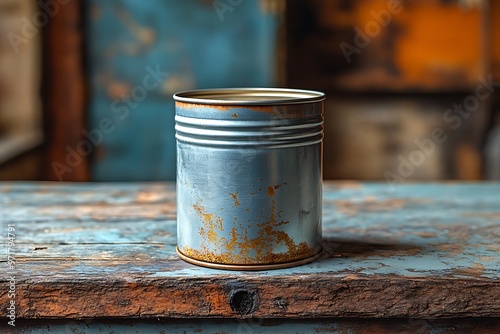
(243, 302)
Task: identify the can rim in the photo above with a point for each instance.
(249, 96)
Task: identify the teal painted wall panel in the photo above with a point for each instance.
(190, 46)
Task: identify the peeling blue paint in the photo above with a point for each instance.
(417, 230)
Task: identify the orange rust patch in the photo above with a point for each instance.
(148, 196)
(233, 243)
(221, 107)
(370, 204)
(426, 234)
(482, 215)
(452, 249)
(238, 248)
(301, 251)
(234, 114)
(477, 270)
(211, 224)
(212, 235)
(280, 111)
(271, 190)
(235, 198)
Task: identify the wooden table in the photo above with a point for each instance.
(406, 259)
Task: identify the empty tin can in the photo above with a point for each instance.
(249, 176)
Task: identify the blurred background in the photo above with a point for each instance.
(86, 86)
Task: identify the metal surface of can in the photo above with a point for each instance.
(249, 176)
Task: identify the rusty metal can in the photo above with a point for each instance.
(249, 176)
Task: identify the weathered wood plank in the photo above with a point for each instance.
(94, 233)
(47, 193)
(108, 250)
(100, 212)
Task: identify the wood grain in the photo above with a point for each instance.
(108, 250)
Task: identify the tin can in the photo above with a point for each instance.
(249, 177)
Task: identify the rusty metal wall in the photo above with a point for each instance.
(392, 70)
(374, 45)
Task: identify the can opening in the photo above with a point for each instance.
(249, 96)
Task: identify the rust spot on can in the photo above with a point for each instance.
(290, 111)
(272, 189)
(235, 198)
(238, 247)
(301, 251)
